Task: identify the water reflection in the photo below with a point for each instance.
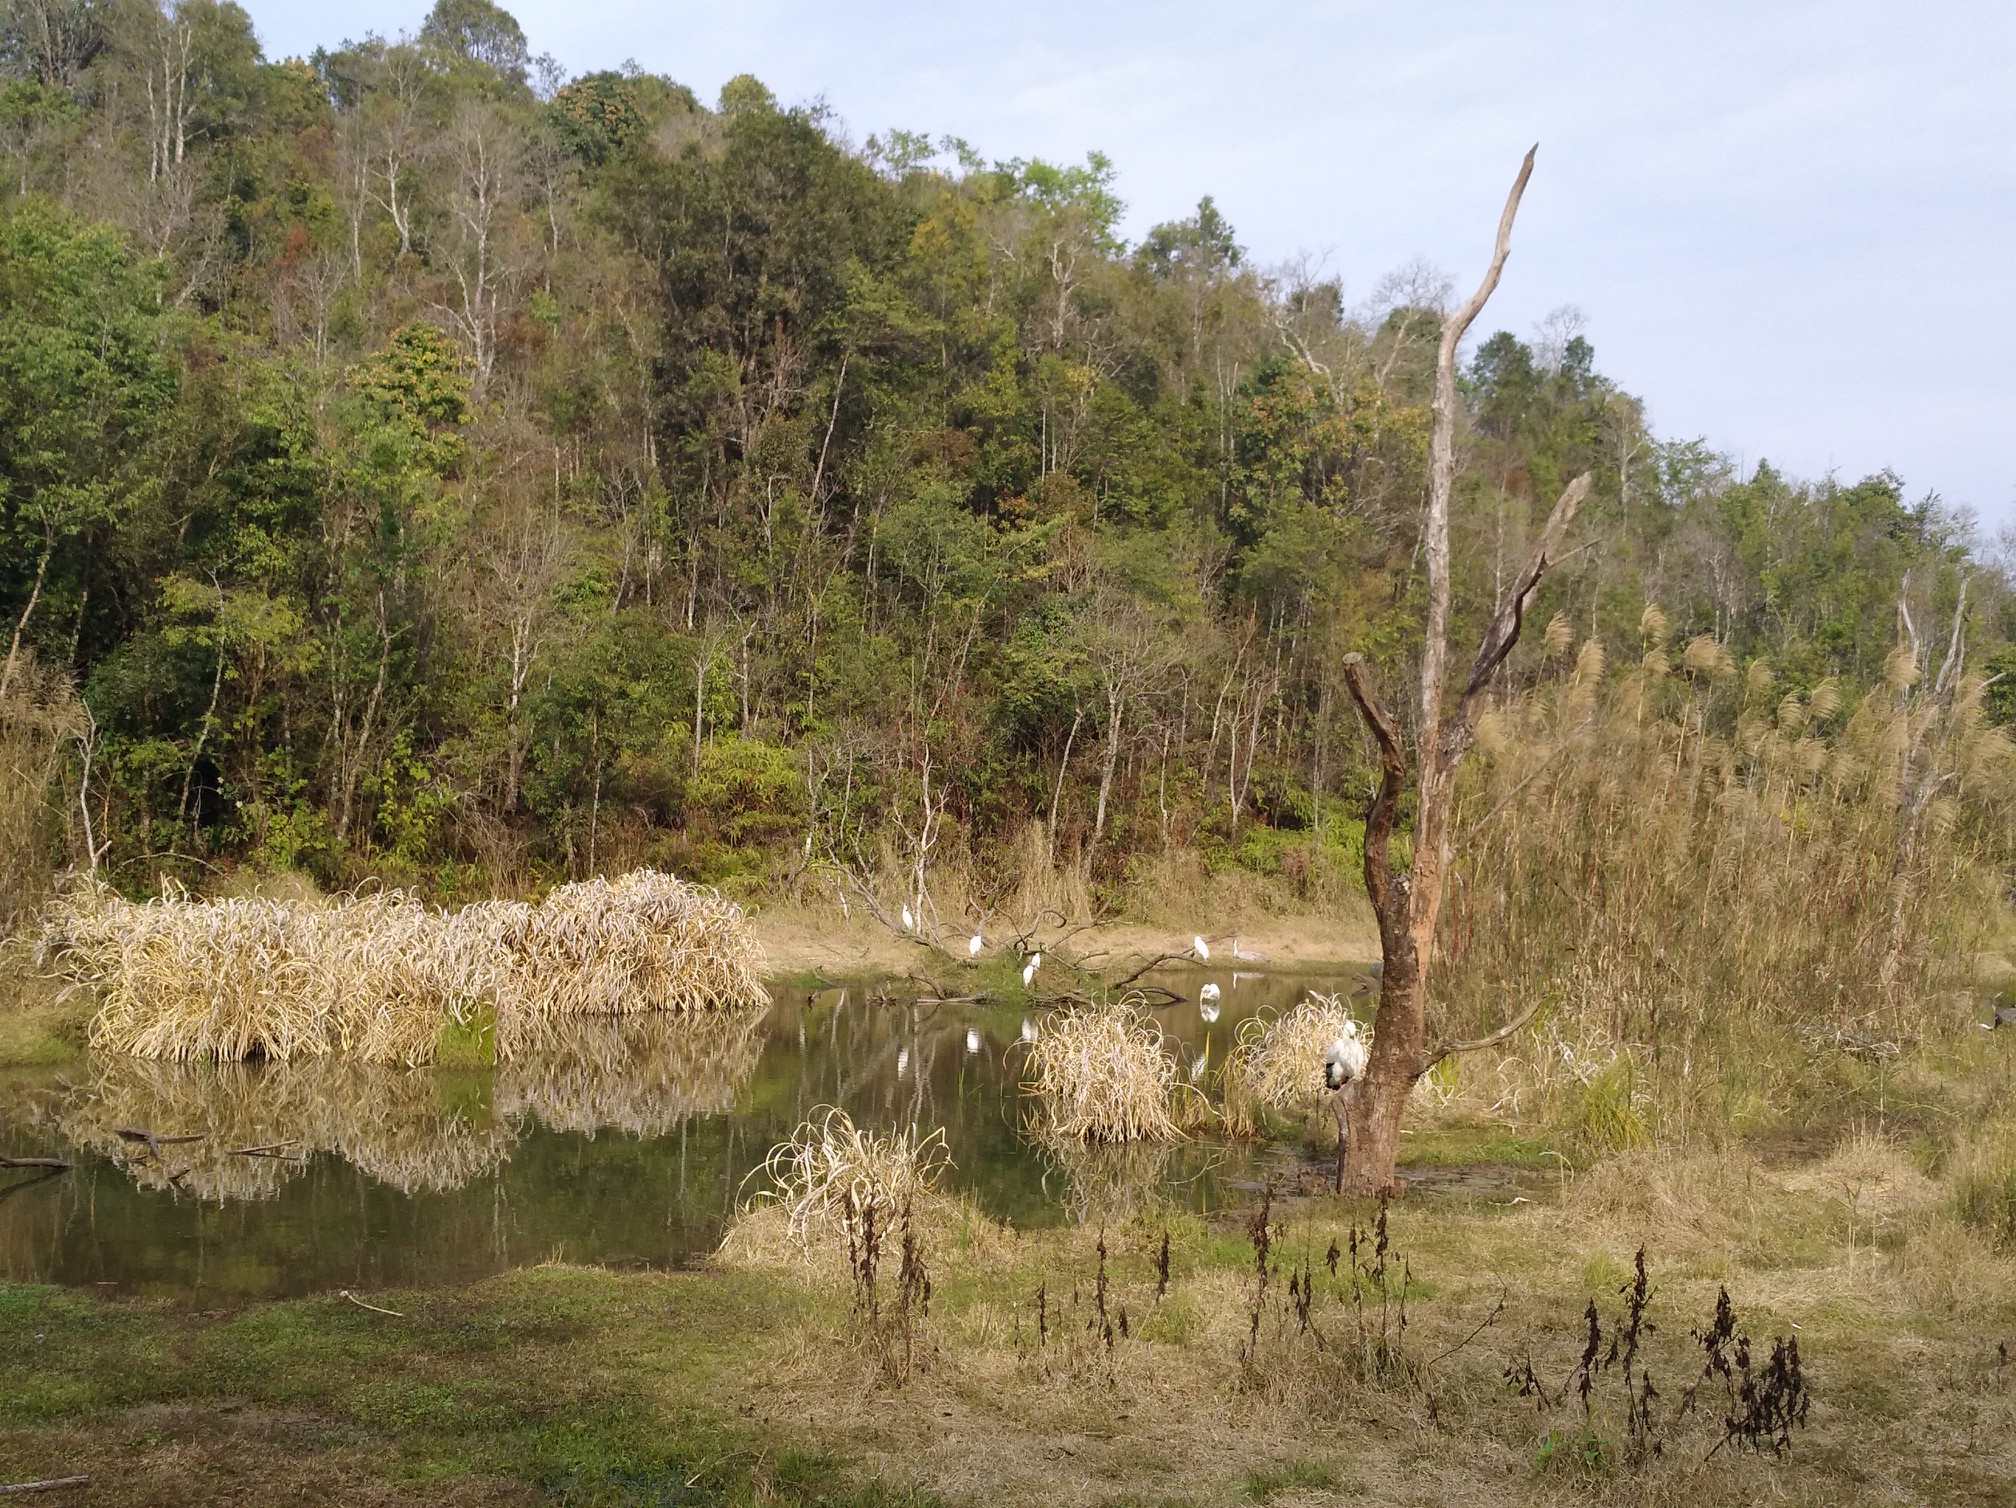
(619, 1140)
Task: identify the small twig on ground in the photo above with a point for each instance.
(47, 1484)
(346, 1293)
(55, 1164)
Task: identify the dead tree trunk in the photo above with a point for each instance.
(1409, 905)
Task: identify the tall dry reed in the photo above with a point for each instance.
(377, 976)
(1708, 873)
(1099, 1073)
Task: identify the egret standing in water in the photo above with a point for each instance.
(1207, 1003)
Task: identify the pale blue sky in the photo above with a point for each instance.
(1788, 223)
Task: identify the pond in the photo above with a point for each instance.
(623, 1142)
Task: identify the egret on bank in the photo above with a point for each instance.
(1029, 969)
(974, 944)
(1201, 948)
(909, 921)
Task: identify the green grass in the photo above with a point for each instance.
(1260, 1486)
(552, 1379)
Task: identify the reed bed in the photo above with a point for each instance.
(1100, 1074)
(643, 1076)
(377, 975)
(1727, 881)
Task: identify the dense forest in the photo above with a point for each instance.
(419, 464)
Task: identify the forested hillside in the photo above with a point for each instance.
(415, 463)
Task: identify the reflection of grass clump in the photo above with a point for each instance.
(640, 1074)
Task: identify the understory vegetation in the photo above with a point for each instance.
(423, 467)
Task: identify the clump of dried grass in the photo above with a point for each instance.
(1099, 1073)
(1278, 1059)
(838, 1192)
(371, 975)
(833, 1176)
(377, 975)
(644, 942)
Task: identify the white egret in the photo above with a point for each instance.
(1029, 969)
(1209, 994)
(909, 921)
(1344, 1059)
(974, 944)
(1201, 948)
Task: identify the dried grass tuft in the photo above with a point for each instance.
(377, 976)
(1278, 1061)
(832, 1177)
(1100, 1074)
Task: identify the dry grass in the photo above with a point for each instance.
(831, 1179)
(1278, 1059)
(1100, 1073)
(378, 975)
(645, 942)
(1710, 874)
(40, 721)
(832, 1176)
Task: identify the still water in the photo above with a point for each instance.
(624, 1143)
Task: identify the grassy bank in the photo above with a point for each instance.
(582, 1386)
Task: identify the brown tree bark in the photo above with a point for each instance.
(1408, 906)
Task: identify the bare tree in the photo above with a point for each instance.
(485, 155)
(1409, 905)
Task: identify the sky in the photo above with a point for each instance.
(1788, 225)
